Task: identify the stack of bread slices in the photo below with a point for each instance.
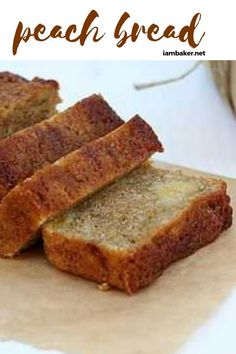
(81, 180)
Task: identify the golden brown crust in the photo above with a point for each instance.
(197, 226)
(33, 148)
(24, 103)
(6, 77)
(50, 83)
(59, 186)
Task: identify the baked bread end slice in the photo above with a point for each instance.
(24, 103)
(129, 232)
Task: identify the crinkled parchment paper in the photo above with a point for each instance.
(49, 309)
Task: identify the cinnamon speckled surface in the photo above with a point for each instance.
(46, 308)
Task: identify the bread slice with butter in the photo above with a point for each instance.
(128, 233)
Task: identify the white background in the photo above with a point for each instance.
(190, 117)
(218, 21)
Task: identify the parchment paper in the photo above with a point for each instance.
(50, 309)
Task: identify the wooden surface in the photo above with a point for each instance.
(50, 309)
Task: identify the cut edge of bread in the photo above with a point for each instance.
(58, 187)
(129, 270)
(25, 102)
(32, 148)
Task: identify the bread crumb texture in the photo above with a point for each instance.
(129, 232)
(31, 149)
(24, 102)
(63, 184)
(134, 207)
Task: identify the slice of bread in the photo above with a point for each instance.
(128, 233)
(24, 103)
(26, 151)
(59, 186)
